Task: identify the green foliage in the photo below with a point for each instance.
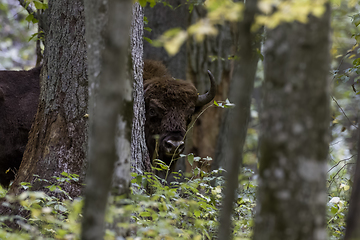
(183, 210)
(49, 217)
(16, 52)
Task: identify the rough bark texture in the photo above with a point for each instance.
(58, 138)
(110, 116)
(234, 127)
(294, 147)
(212, 54)
(139, 153)
(353, 218)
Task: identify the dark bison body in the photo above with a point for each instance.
(19, 94)
(170, 105)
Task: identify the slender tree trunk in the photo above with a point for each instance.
(234, 127)
(292, 188)
(110, 116)
(353, 218)
(139, 153)
(58, 138)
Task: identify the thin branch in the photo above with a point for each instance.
(342, 110)
(27, 7)
(337, 173)
(337, 70)
(341, 62)
(346, 159)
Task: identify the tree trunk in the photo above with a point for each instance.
(234, 126)
(211, 54)
(353, 218)
(292, 188)
(110, 113)
(139, 152)
(58, 138)
(160, 19)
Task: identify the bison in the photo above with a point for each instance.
(169, 107)
(19, 95)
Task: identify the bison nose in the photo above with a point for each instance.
(174, 147)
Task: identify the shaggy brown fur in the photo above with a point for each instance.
(169, 106)
(19, 94)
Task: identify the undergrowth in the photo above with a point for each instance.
(186, 209)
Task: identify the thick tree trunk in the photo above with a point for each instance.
(235, 122)
(211, 54)
(110, 114)
(353, 218)
(292, 188)
(58, 138)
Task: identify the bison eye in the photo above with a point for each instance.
(152, 112)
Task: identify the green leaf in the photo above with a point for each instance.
(334, 210)
(29, 18)
(142, 3)
(145, 214)
(39, 5)
(197, 213)
(52, 188)
(190, 158)
(147, 29)
(148, 40)
(152, 3)
(191, 8)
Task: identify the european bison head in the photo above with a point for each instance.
(169, 106)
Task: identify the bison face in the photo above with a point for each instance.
(169, 106)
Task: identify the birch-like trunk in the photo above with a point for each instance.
(295, 120)
(110, 110)
(139, 152)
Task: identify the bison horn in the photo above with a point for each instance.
(207, 97)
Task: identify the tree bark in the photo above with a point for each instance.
(234, 126)
(110, 116)
(58, 138)
(294, 147)
(353, 218)
(139, 152)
